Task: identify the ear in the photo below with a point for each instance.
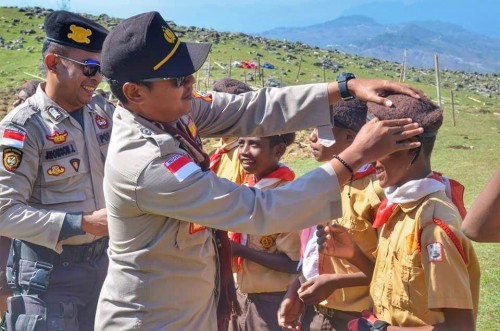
(50, 61)
(133, 92)
(279, 150)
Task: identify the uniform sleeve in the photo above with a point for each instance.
(289, 244)
(17, 218)
(189, 194)
(264, 112)
(445, 270)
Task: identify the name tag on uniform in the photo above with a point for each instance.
(181, 166)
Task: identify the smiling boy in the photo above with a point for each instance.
(265, 264)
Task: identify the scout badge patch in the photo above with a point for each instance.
(13, 136)
(435, 251)
(12, 158)
(181, 166)
(267, 242)
(200, 95)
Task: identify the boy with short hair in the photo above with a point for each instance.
(265, 264)
(224, 161)
(426, 275)
(335, 291)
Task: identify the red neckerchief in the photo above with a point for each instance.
(215, 157)
(384, 211)
(455, 191)
(284, 174)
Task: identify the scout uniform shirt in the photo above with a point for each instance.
(253, 277)
(358, 213)
(162, 260)
(51, 166)
(225, 163)
(424, 264)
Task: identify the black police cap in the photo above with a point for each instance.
(69, 29)
(144, 47)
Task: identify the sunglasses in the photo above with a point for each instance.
(89, 67)
(179, 80)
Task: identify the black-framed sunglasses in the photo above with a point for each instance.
(89, 67)
(179, 81)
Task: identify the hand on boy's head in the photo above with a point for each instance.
(379, 138)
(334, 240)
(374, 89)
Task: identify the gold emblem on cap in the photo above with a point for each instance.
(171, 38)
(168, 34)
(79, 34)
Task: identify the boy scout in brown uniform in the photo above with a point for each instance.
(336, 291)
(426, 273)
(51, 193)
(160, 196)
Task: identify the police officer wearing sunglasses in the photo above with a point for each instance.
(51, 195)
(168, 269)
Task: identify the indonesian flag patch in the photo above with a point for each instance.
(181, 166)
(13, 137)
(435, 251)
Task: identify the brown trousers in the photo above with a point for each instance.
(316, 321)
(259, 312)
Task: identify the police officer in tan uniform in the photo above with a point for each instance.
(51, 194)
(161, 199)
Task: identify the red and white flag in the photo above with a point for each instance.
(181, 166)
(13, 137)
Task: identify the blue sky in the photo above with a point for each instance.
(253, 16)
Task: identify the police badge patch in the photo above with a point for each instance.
(12, 158)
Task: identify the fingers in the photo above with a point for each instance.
(403, 89)
(404, 135)
(397, 123)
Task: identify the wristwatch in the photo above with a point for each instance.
(342, 80)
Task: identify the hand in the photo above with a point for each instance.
(334, 240)
(368, 322)
(96, 223)
(290, 311)
(317, 289)
(379, 138)
(374, 89)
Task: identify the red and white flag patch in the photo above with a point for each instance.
(13, 137)
(435, 251)
(181, 166)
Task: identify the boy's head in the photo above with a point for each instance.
(400, 167)
(348, 118)
(232, 86)
(260, 155)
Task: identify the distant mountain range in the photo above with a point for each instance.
(458, 48)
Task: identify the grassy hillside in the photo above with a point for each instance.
(469, 151)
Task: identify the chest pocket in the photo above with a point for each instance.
(407, 277)
(63, 174)
(186, 237)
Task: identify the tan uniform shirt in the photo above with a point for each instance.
(358, 213)
(230, 166)
(61, 168)
(415, 279)
(162, 269)
(256, 278)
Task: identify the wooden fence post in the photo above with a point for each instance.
(453, 108)
(438, 85)
(298, 71)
